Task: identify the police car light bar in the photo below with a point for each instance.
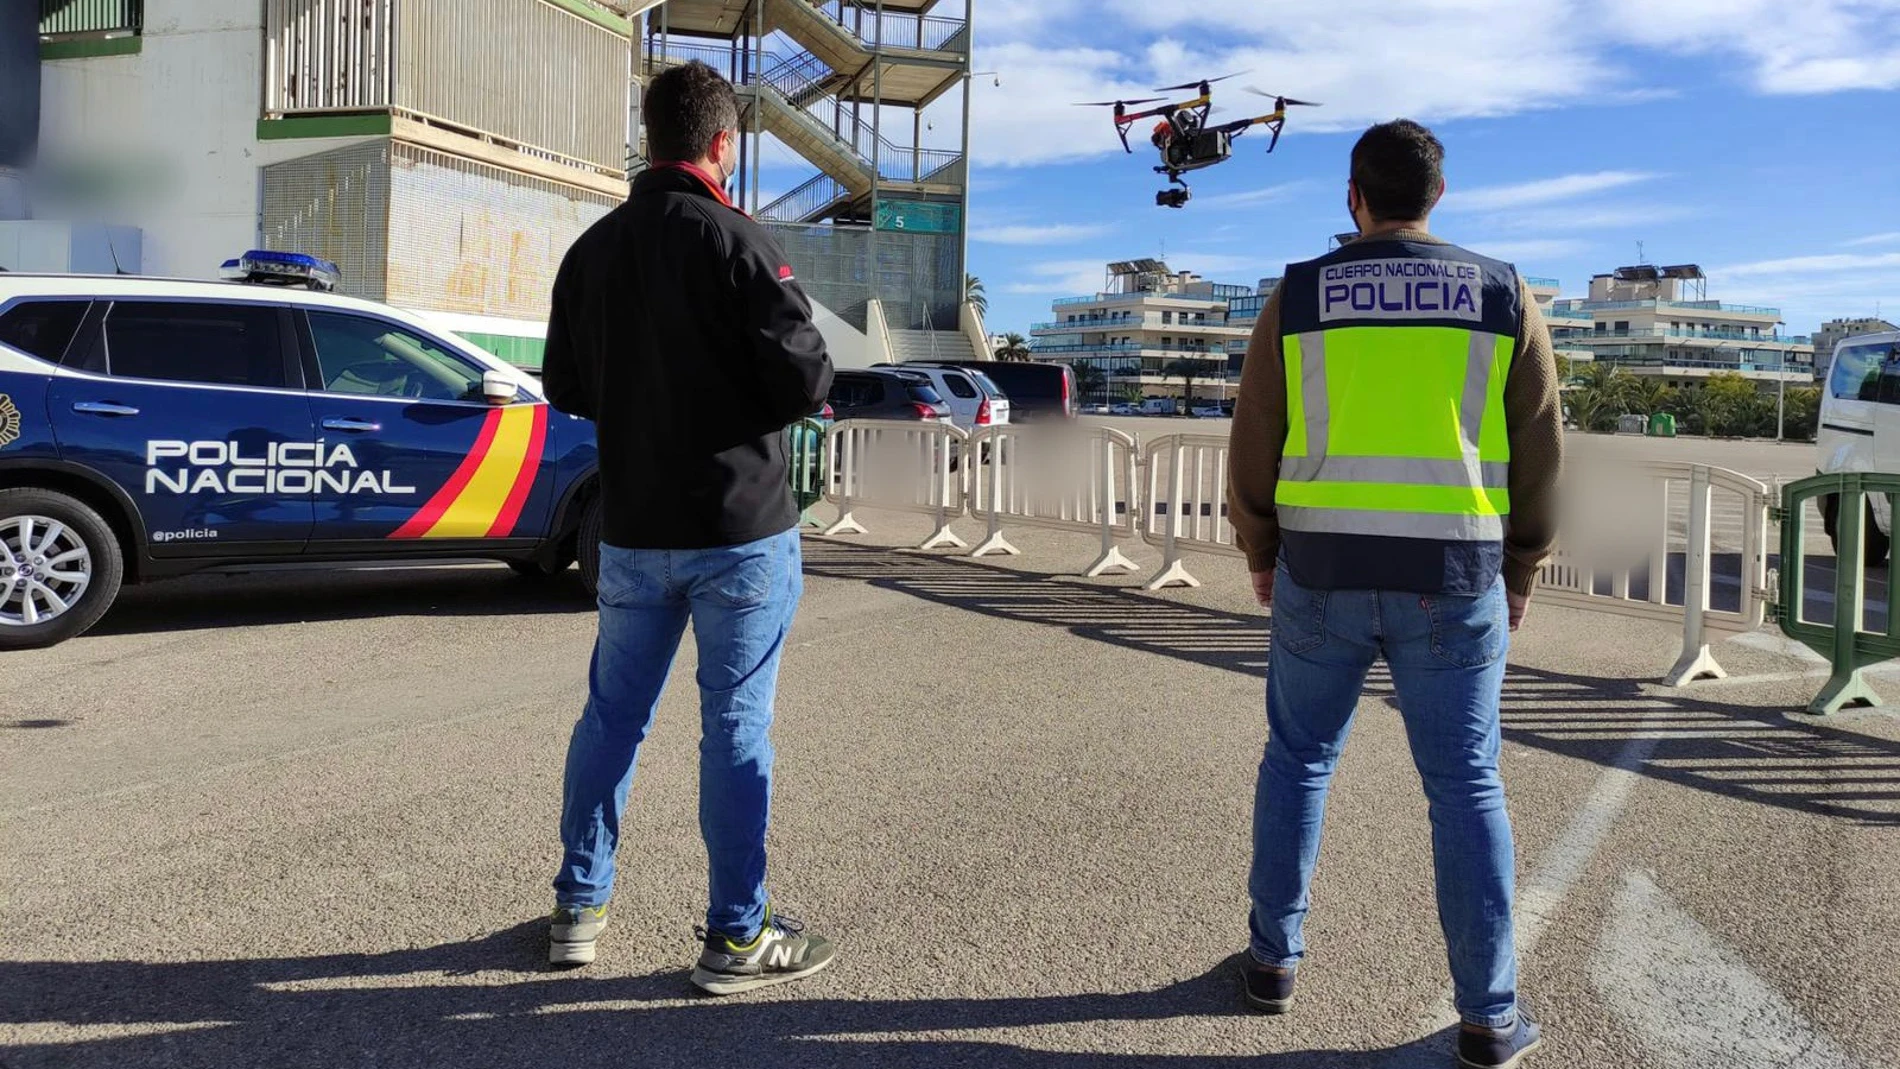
(267, 268)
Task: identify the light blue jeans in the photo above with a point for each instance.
(1447, 660)
(740, 600)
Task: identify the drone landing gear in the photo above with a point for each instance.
(1172, 198)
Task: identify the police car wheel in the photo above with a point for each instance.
(587, 546)
(60, 568)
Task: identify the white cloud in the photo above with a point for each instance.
(1050, 234)
(1370, 60)
(1264, 195)
(1540, 191)
(1065, 278)
(1891, 237)
(1826, 263)
(1589, 217)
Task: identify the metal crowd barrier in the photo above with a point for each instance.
(1845, 642)
(1081, 479)
(899, 465)
(805, 456)
(1187, 492)
(1597, 581)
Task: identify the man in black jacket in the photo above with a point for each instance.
(678, 328)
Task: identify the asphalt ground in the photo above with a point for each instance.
(309, 820)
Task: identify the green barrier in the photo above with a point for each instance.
(805, 454)
(1849, 648)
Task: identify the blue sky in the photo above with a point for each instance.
(1758, 139)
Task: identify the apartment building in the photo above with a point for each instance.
(1149, 327)
(1659, 321)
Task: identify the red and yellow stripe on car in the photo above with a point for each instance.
(483, 498)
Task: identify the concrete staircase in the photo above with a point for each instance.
(907, 345)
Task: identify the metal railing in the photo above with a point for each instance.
(1060, 477)
(1635, 357)
(91, 17)
(805, 202)
(1659, 303)
(1152, 321)
(805, 456)
(498, 69)
(1571, 335)
(1128, 298)
(922, 33)
(1541, 282)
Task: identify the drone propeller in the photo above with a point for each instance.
(1116, 103)
(1201, 82)
(1288, 101)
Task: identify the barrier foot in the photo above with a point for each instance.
(943, 537)
(995, 543)
(1844, 689)
(1175, 574)
(846, 524)
(1693, 666)
(1111, 560)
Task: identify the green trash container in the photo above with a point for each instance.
(1662, 425)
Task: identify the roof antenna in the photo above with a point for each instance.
(116, 268)
(1640, 261)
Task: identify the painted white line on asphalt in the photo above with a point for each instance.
(1558, 870)
(1692, 1001)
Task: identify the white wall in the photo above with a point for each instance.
(180, 120)
(848, 346)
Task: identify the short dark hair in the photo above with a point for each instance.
(685, 108)
(1399, 168)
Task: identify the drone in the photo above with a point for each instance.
(1184, 138)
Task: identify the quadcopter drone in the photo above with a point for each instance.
(1183, 137)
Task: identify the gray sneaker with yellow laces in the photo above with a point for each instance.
(572, 931)
(781, 952)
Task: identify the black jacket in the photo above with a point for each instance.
(678, 329)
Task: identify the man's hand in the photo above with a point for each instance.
(1263, 588)
(1519, 603)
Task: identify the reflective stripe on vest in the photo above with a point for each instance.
(1396, 431)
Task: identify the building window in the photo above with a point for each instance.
(1167, 316)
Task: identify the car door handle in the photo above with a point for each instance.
(104, 408)
(354, 426)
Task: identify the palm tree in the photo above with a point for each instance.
(1603, 392)
(1015, 347)
(1650, 396)
(1188, 371)
(973, 294)
(1089, 378)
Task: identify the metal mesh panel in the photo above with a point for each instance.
(468, 237)
(90, 16)
(335, 205)
(916, 278)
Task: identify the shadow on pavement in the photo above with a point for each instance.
(251, 599)
(1744, 752)
(328, 1011)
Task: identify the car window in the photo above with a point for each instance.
(922, 392)
(236, 344)
(42, 328)
(1856, 372)
(361, 355)
(988, 386)
(851, 391)
(959, 385)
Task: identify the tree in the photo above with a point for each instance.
(1731, 406)
(973, 294)
(1189, 372)
(1090, 379)
(1015, 347)
(1131, 393)
(1603, 393)
(1803, 413)
(1650, 396)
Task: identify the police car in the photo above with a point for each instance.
(152, 427)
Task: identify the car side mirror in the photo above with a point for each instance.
(498, 389)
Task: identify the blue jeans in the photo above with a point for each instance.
(740, 600)
(1447, 661)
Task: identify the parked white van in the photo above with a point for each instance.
(1860, 426)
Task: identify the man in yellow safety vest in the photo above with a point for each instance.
(1396, 446)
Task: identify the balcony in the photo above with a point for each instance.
(74, 29)
(477, 68)
(1143, 323)
(1537, 282)
(1659, 305)
(1136, 298)
(1575, 337)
